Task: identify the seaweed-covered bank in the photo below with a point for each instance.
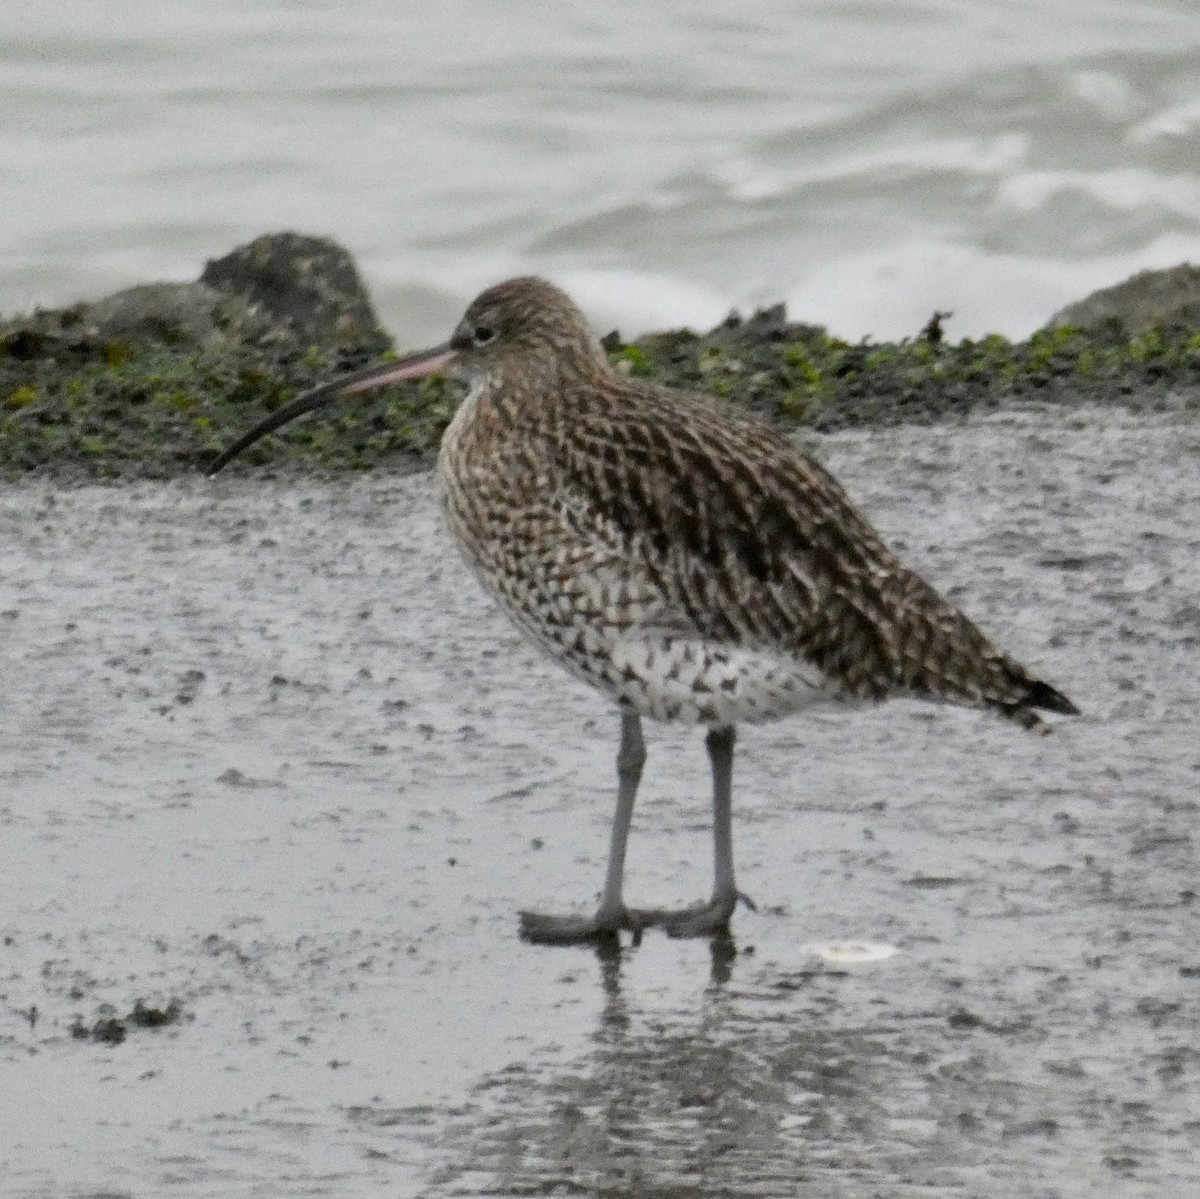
(151, 382)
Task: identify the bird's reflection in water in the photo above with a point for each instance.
(746, 1088)
(611, 954)
(723, 952)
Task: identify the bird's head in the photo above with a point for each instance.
(524, 326)
(522, 323)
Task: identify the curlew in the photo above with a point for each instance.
(682, 556)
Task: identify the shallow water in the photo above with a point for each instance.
(867, 161)
(267, 750)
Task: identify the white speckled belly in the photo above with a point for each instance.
(669, 675)
(673, 677)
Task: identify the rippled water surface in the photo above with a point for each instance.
(267, 750)
(867, 161)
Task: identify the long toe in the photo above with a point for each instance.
(538, 928)
(701, 920)
(708, 921)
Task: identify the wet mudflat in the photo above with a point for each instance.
(268, 752)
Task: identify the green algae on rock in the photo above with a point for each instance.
(149, 382)
(153, 381)
(799, 374)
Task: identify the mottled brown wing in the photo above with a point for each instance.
(751, 541)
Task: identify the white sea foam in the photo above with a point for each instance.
(1180, 120)
(994, 155)
(892, 292)
(635, 302)
(1125, 189)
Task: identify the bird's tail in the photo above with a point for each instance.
(1033, 696)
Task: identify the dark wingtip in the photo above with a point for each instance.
(1048, 699)
(1036, 695)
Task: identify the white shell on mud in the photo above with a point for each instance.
(846, 953)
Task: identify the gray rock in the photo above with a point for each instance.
(176, 313)
(308, 288)
(1145, 301)
(282, 290)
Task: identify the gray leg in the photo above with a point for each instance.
(631, 757)
(611, 914)
(712, 917)
(720, 753)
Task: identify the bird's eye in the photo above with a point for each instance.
(483, 335)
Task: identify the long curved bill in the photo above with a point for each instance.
(372, 378)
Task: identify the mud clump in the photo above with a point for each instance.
(110, 1029)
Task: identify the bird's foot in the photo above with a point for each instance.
(538, 928)
(709, 919)
(701, 920)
